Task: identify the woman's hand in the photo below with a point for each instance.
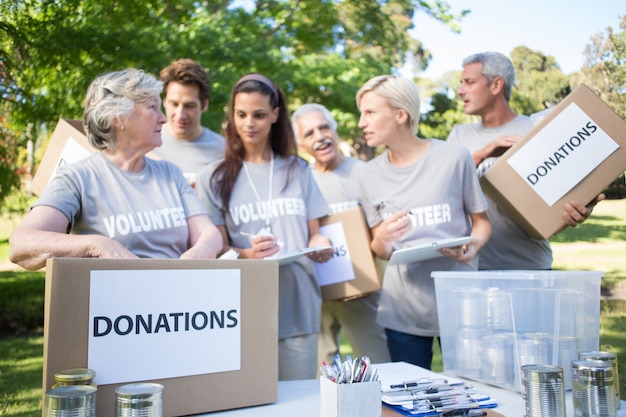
(390, 230)
(262, 247)
(321, 256)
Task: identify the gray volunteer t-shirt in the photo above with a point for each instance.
(145, 211)
(191, 155)
(339, 186)
(292, 205)
(509, 247)
(441, 189)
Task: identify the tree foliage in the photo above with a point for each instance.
(604, 69)
(540, 83)
(315, 50)
(9, 151)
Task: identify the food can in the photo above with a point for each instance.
(543, 392)
(593, 390)
(609, 357)
(142, 399)
(70, 401)
(74, 376)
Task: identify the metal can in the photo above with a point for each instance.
(143, 399)
(609, 357)
(74, 376)
(70, 401)
(543, 392)
(593, 390)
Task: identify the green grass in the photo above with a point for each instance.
(21, 365)
(599, 244)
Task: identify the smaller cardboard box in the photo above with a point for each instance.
(574, 153)
(352, 272)
(68, 144)
(207, 330)
(361, 399)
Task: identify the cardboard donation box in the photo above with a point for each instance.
(68, 144)
(574, 153)
(207, 330)
(351, 273)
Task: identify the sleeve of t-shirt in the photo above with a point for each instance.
(453, 137)
(63, 194)
(315, 201)
(473, 198)
(191, 203)
(370, 209)
(207, 197)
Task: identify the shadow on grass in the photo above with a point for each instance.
(21, 302)
(613, 335)
(593, 230)
(21, 367)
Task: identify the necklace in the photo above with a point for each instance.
(256, 192)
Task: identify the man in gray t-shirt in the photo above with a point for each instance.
(186, 143)
(335, 174)
(485, 89)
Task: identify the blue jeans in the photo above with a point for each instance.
(404, 347)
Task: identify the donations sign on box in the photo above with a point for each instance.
(574, 153)
(194, 326)
(351, 273)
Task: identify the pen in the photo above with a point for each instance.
(414, 384)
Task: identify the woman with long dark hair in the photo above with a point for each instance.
(264, 200)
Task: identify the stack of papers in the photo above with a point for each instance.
(414, 391)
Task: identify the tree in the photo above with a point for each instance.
(316, 50)
(540, 83)
(9, 151)
(604, 69)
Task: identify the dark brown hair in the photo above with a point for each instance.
(187, 72)
(281, 137)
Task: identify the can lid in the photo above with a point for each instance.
(72, 391)
(138, 390)
(591, 365)
(75, 375)
(597, 355)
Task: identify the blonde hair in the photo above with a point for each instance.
(400, 93)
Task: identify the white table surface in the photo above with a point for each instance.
(302, 399)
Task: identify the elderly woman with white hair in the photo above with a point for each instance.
(117, 203)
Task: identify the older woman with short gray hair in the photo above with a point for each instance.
(118, 203)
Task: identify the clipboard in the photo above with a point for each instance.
(425, 251)
(289, 257)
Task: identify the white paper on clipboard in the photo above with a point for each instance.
(426, 250)
(288, 257)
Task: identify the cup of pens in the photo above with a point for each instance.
(350, 388)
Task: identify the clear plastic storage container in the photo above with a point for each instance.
(493, 322)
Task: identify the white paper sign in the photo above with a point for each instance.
(339, 268)
(562, 154)
(72, 152)
(152, 324)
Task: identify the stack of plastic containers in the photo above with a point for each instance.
(493, 322)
